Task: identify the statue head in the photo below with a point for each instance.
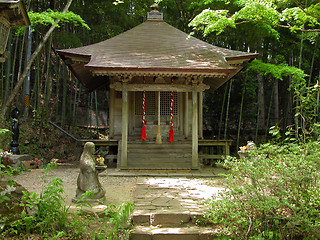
(89, 148)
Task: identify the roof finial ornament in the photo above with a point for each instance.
(154, 7)
(154, 14)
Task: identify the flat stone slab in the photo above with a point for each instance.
(187, 233)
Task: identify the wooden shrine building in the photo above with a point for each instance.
(157, 75)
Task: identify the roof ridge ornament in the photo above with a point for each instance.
(154, 14)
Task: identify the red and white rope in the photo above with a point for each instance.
(143, 132)
(171, 135)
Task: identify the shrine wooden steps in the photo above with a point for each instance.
(159, 156)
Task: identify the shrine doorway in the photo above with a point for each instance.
(152, 111)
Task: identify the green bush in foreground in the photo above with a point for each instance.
(273, 194)
(46, 217)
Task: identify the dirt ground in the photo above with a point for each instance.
(118, 189)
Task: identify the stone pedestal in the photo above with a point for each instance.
(18, 159)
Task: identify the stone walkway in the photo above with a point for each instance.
(168, 207)
(167, 194)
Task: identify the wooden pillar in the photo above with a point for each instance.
(195, 159)
(158, 138)
(111, 112)
(180, 113)
(200, 115)
(186, 115)
(125, 116)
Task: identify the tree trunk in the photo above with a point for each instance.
(74, 104)
(312, 62)
(64, 96)
(14, 62)
(222, 109)
(227, 111)
(262, 113)
(97, 111)
(276, 101)
(23, 76)
(269, 111)
(48, 82)
(241, 111)
(8, 65)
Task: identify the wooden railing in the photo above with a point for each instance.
(212, 150)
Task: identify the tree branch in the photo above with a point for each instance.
(279, 25)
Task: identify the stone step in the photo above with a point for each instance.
(143, 148)
(165, 219)
(180, 233)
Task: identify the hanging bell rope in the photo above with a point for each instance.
(143, 132)
(171, 135)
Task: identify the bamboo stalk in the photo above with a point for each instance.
(64, 96)
(20, 82)
(74, 104)
(241, 111)
(7, 82)
(227, 111)
(222, 109)
(97, 112)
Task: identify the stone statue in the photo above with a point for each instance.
(88, 176)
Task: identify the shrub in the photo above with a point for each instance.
(47, 216)
(273, 194)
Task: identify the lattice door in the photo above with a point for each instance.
(152, 103)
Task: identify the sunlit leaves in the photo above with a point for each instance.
(298, 19)
(117, 2)
(276, 14)
(277, 71)
(258, 11)
(49, 17)
(212, 21)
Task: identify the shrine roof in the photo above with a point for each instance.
(153, 48)
(155, 45)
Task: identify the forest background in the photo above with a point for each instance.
(278, 91)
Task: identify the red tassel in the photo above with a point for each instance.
(171, 136)
(143, 133)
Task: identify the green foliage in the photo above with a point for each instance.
(5, 137)
(271, 15)
(49, 17)
(3, 132)
(46, 215)
(212, 21)
(278, 71)
(117, 2)
(273, 194)
(118, 221)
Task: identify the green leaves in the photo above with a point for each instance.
(258, 11)
(278, 71)
(274, 14)
(49, 17)
(4, 132)
(297, 18)
(273, 194)
(212, 21)
(117, 2)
